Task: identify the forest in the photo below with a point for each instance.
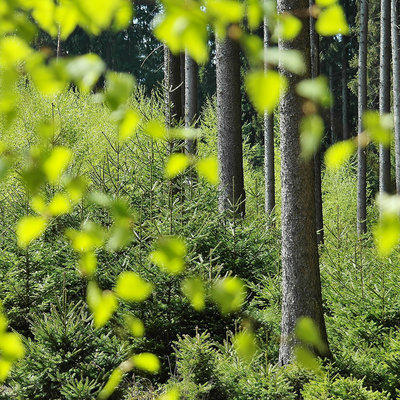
(199, 199)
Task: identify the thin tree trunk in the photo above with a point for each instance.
(384, 93)
(269, 153)
(345, 97)
(230, 157)
(396, 85)
(301, 283)
(362, 106)
(315, 66)
(191, 70)
(334, 135)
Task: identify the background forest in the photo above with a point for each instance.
(131, 269)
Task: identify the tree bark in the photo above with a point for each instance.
(384, 93)
(230, 157)
(362, 106)
(191, 70)
(396, 85)
(334, 134)
(301, 283)
(269, 152)
(315, 66)
(345, 97)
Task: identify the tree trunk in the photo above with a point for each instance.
(173, 88)
(345, 97)
(300, 266)
(396, 86)
(362, 106)
(384, 93)
(334, 135)
(269, 154)
(315, 66)
(230, 158)
(191, 70)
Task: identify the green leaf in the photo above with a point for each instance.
(146, 362)
(113, 381)
(387, 234)
(265, 89)
(156, 130)
(229, 294)
(128, 125)
(176, 164)
(131, 287)
(88, 263)
(332, 21)
(56, 163)
(44, 14)
(28, 229)
(11, 346)
(91, 236)
(170, 254)
(307, 331)
(290, 60)
(339, 153)
(225, 11)
(379, 127)
(193, 289)
(325, 3)
(311, 133)
(119, 87)
(287, 28)
(317, 90)
(307, 359)
(255, 14)
(59, 205)
(101, 304)
(5, 369)
(171, 394)
(208, 169)
(134, 325)
(245, 345)
(85, 71)
(13, 50)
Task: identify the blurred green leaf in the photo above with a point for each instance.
(332, 21)
(28, 229)
(308, 332)
(193, 289)
(131, 287)
(101, 304)
(311, 133)
(387, 233)
(317, 90)
(287, 27)
(128, 125)
(379, 127)
(113, 381)
(56, 163)
(339, 153)
(176, 164)
(134, 325)
(146, 362)
(11, 346)
(290, 60)
(208, 169)
(170, 254)
(229, 294)
(307, 359)
(119, 87)
(245, 345)
(170, 394)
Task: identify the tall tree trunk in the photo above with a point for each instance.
(301, 283)
(230, 157)
(173, 87)
(362, 106)
(384, 93)
(345, 97)
(315, 66)
(334, 134)
(191, 70)
(396, 85)
(269, 153)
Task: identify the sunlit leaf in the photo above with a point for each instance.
(379, 127)
(123, 15)
(307, 359)
(387, 233)
(113, 381)
(332, 21)
(101, 304)
(146, 362)
(245, 345)
(170, 254)
(128, 125)
(255, 14)
(75, 188)
(91, 236)
(11, 346)
(119, 87)
(135, 326)
(29, 228)
(131, 287)
(225, 11)
(59, 205)
(155, 129)
(85, 71)
(171, 394)
(13, 50)
(208, 169)
(193, 289)
(287, 27)
(290, 60)
(88, 263)
(325, 3)
(311, 133)
(5, 369)
(265, 89)
(339, 153)
(307, 331)
(56, 163)
(67, 17)
(229, 294)
(317, 90)
(44, 14)
(176, 164)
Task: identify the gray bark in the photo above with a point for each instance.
(173, 87)
(191, 70)
(334, 135)
(362, 106)
(384, 93)
(230, 157)
(345, 97)
(396, 86)
(269, 153)
(301, 285)
(315, 65)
